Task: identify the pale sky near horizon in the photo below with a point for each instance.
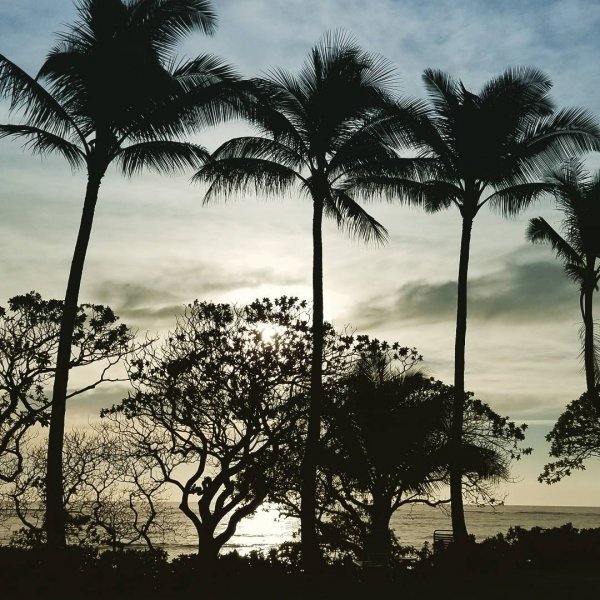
(155, 247)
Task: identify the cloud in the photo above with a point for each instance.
(519, 292)
(87, 406)
(153, 304)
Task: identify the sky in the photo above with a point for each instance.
(155, 247)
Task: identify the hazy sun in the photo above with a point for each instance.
(269, 332)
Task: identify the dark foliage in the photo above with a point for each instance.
(574, 439)
(522, 564)
(29, 337)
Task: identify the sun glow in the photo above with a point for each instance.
(269, 332)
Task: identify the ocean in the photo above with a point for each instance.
(415, 525)
(412, 525)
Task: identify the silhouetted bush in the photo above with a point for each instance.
(559, 548)
(523, 563)
(549, 548)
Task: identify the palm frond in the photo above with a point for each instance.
(568, 132)
(166, 22)
(525, 89)
(442, 89)
(378, 166)
(203, 71)
(160, 156)
(576, 272)
(595, 350)
(25, 94)
(569, 180)
(431, 195)
(262, 148)
(188, 111)
(349, 215)
(511, 201)
(405, 124)
(540, 231)
(67, 72)
(577, 197)
(230, 176)
(43, 142)
(338, 50)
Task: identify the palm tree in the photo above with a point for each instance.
(110, 92)
(577, 196)
(489, 148)
(316, 131)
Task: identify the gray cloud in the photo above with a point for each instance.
(517, 292)
(153, 304)
(89, 404)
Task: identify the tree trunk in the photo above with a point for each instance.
(459, 526)
(55, 514)
(588, 324)
(208, 549)
(378, 547)
(311, 557)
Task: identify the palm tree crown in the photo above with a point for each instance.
(316, 134)
(488, 148)
(113, 90)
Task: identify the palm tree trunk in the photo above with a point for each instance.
(378, 546)
(308, 492)
(55, 514)
(588, 324)
(459, 526)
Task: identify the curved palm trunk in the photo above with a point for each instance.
(459, 526)
(308, 493)
(55, 515)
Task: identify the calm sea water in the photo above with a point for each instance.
(413, 526)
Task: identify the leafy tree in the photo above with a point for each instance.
(377, 455)
(110, 499)
(488, 148)
(109, 92)
(574, 439)
(214, 404)
(316, 131)
(577, 196)
(29, 340)
(387, 446)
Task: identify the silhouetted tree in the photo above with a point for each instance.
(490, 148)
(114, 94)
(577, 196)
(574, 439)
(111, 497)
(214, 404)
(29, 340)
(317, 130)
(388, 445)
(379, 453)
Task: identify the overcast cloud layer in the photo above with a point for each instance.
(155, 247)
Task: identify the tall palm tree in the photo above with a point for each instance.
(489, 148)
(110, 92)
(577, 196)
(316, 131)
